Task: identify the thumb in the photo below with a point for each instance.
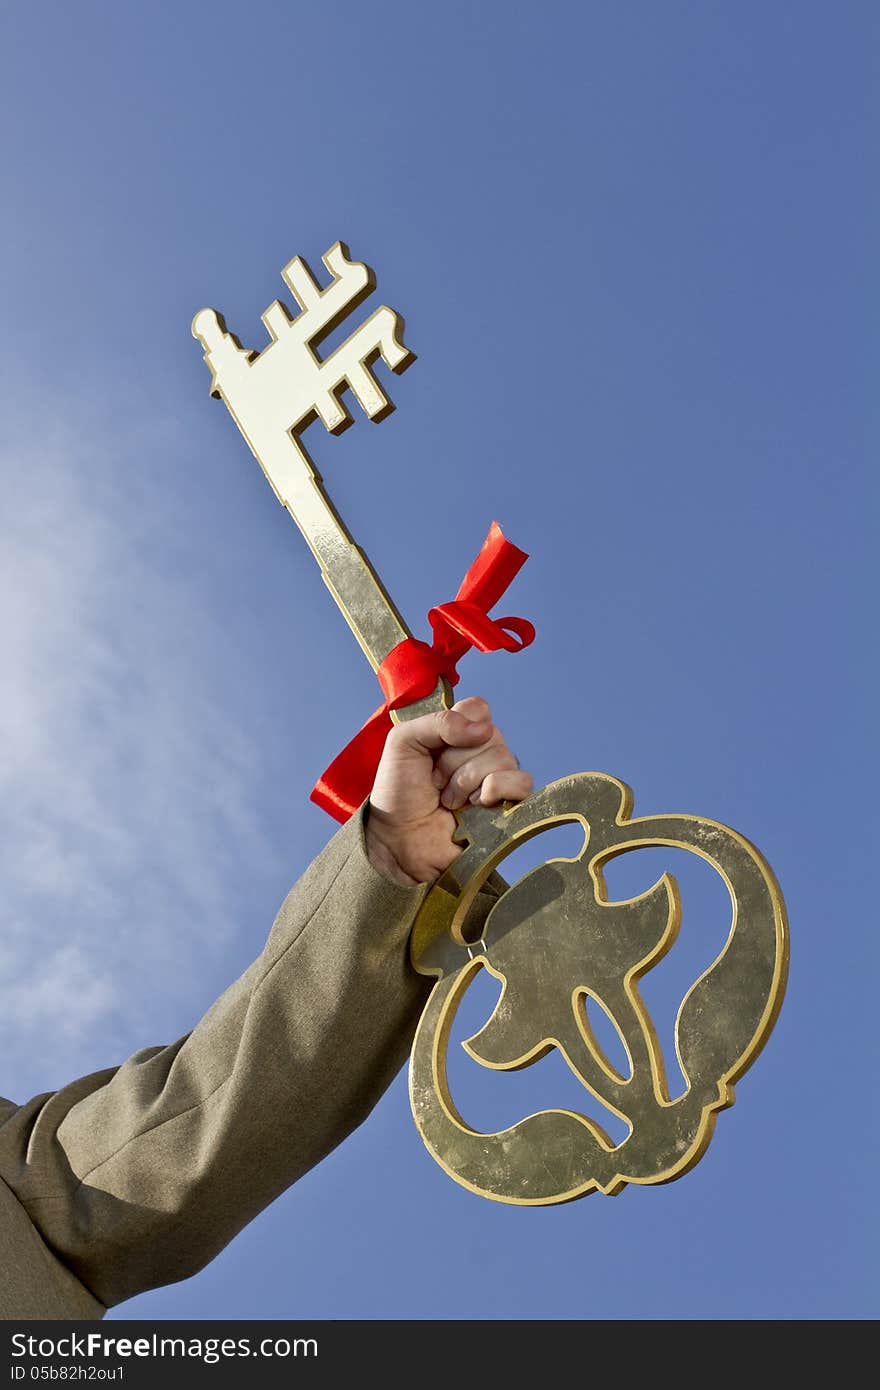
(447, 728)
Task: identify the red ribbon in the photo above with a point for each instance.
(412, 669)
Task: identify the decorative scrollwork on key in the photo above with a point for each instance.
(553, 939)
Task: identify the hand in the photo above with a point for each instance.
(430, 767)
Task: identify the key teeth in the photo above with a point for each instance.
(400, 356)
(276, 393)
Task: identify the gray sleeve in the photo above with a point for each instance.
(138, 1176)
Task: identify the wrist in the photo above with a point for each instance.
(382, 856)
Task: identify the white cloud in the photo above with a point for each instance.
(127, 789)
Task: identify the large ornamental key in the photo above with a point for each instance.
(553, 938)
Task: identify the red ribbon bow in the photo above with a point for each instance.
(412, 669)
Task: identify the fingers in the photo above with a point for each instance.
(488, 774)
(448, 728)
(483, 781)
(448, 762)
(462, 771)
(464, 756)
(474, 707)
(457, 769)
(514, 785)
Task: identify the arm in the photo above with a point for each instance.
(139, 1176)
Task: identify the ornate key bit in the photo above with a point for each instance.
(273, 395)
(284, 386)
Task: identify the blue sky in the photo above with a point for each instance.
(635, 250)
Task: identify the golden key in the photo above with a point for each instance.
(554, 938)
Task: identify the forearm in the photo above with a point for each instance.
(140, 1176)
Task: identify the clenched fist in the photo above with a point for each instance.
(430, 767)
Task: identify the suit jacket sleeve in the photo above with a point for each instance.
(138, 1176)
